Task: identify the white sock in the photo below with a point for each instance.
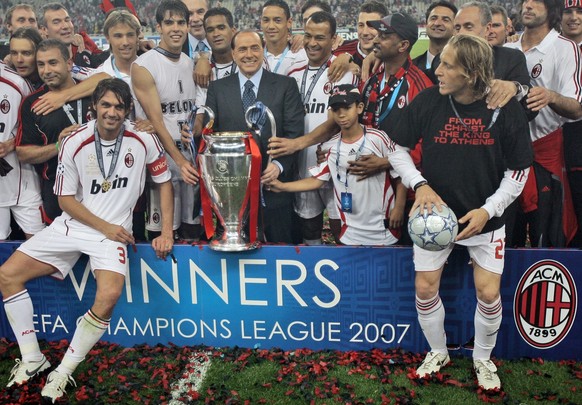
(88, 332)
(431, 317)
(487, 323)
(19, 312)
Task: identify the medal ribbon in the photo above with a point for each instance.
(493, 117)
(320, 71)
(99, 152)
(67, 109)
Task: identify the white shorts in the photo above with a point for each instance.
(309, 204)
(54, 247)
(185, 197)
(487, 250)
(28, 216)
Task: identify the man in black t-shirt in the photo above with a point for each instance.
(476, 161)
(39, 136)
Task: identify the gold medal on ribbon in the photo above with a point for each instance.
(106, 185)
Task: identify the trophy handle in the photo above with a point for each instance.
(210, 124)
(253, 119)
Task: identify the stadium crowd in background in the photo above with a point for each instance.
(363, 94)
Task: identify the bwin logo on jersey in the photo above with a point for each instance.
(544, 306)
(118, 182)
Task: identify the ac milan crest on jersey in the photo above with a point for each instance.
(545, 304)
(401, 101)
(536, 70)
(5, 106)
(129, 159)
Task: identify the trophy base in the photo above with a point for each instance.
(225, 245)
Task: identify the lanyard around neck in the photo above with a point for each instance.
(493, 117)
(99, 152)
(337, 157)
(280, 59)
(320, 71)
(67, 109)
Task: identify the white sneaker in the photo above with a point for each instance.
(487, 374)
(55, 385)
(23, 372)
(432, 363)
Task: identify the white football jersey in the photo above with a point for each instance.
(21, 184)
(78, 174)
(372, 198)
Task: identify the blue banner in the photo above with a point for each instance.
(346, 298)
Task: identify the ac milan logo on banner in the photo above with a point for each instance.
(544, 306)
(536, 70)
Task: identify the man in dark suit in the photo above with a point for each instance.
(228, 99)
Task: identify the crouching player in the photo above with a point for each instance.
(371, 211)
(476, 161)
(100, 175)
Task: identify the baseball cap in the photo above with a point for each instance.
(344, 94)
(572, 4)
(399, 23)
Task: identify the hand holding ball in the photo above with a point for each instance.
(435, 231)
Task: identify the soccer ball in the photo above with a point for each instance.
(435, 231)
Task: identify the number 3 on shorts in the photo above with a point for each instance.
(122, 255)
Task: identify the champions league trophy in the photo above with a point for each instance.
(230, 166)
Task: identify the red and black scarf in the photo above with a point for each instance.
(373, 98)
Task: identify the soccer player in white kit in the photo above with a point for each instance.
(97, 191)
(315, 88)
(19, 186)
(163, 85)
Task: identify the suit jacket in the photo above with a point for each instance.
(279, 93)
(420, 62)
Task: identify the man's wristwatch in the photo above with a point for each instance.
(420, 184)
(521, 90)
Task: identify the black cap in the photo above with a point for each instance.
(399, 23)
(344, 94)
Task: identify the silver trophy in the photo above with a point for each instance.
(225, 164)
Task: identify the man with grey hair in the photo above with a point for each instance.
(510, 69)
(54, 22)
(498, 33)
